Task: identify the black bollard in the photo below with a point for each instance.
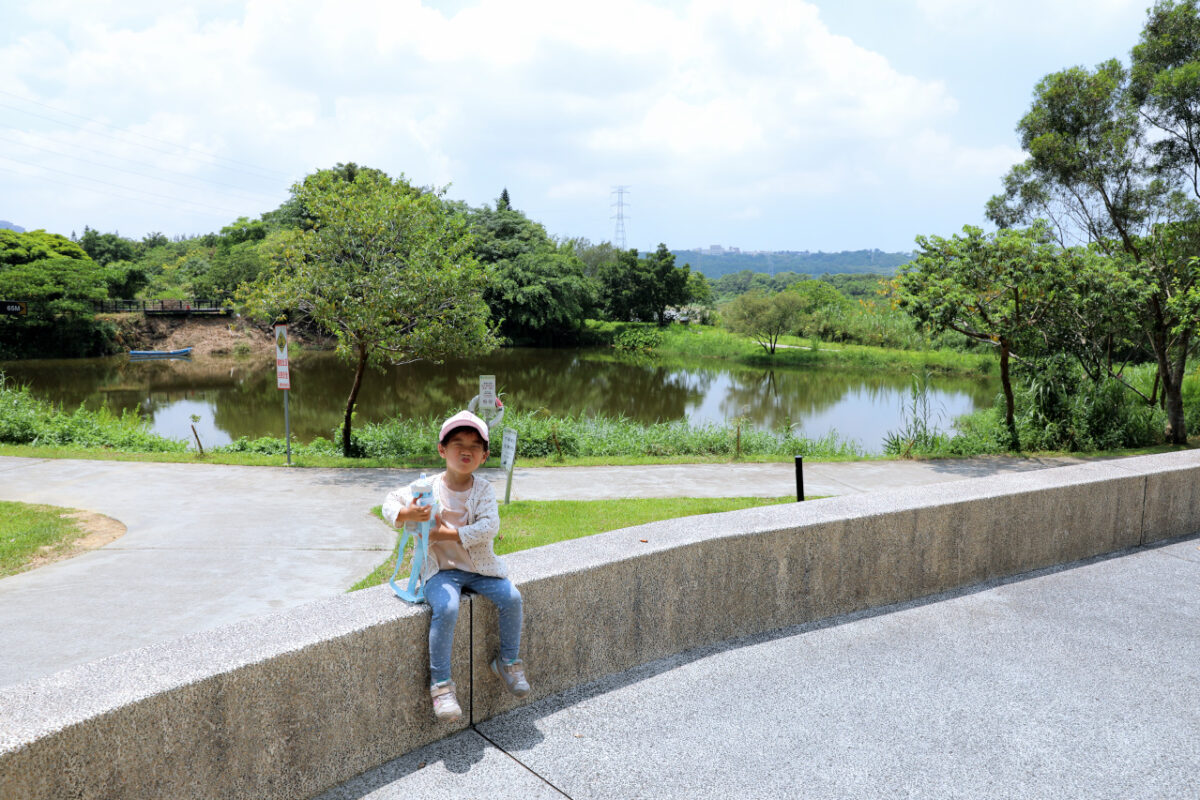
(799, 479)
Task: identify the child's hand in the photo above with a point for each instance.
(413, 513)
(441, 531)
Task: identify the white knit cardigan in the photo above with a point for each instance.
(483, 523)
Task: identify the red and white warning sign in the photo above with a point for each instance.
(283, 380)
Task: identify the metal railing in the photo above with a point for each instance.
(194, 306)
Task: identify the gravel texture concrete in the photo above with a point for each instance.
(1076, 682)
(210, 545)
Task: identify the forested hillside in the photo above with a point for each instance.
(872, 261)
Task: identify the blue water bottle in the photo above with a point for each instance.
(422, 492)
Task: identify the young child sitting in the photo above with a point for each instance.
(461, 557)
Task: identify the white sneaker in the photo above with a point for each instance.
(512, 675)
(445, 704)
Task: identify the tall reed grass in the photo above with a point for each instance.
(25, 419)
(542, 436)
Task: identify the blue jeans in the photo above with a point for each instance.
(443, 592)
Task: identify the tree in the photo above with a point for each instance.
(666, 285)
(593, 256)
(999, 288)
(764, 317)
(636, 289)
(105, 248)
(622, 288)
(1109, 164)
(52, 273)
(503, 233)
(58, 281)
(821, 304)
(536, 288)
(243, 229)
(385, 268)
(699, 290)
(541, 296)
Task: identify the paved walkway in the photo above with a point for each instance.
(209, 545)
(1077, 683)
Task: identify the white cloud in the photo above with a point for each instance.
(689, 102)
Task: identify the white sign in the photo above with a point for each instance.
(283, 379)
(508, 450)
(487, 396)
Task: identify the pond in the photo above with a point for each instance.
(236, 397)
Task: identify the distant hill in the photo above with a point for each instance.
(818, 263)
(10, 226)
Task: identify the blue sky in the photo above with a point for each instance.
(761, 124)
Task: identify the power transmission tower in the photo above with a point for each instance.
(619, 234)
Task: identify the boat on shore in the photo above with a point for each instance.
(181, 353)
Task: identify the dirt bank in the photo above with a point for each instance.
(205, 335)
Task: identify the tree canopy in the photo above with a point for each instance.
(765, 317)
(384, 267)
(997, 288)
(58, 281)
(1113, 162)
(634, 289)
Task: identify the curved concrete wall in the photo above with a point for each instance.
(289, 705)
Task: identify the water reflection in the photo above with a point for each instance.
(237, 396)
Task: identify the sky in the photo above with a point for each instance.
(759, 124)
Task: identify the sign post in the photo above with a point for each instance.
(508, 455)
(283, 380)
(487, 397)
(15, 308)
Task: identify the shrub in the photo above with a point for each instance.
(24, 419)
(638, 340)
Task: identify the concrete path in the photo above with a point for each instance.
(1076, 683)
(209, 545)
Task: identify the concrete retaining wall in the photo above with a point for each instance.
(288, 705)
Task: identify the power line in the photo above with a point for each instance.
(47, 179)
(238, 166)
(619, 233)
(194, 182)
(123, 188)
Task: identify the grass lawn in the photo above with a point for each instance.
(25, 529)
(533, 523)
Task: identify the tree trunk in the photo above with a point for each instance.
(1173, 394)
(1176, 423)
(1172, 384)
(350, 401)
(1010, 420)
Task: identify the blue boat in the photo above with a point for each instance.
(186, 351)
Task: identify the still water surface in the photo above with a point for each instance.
(237, 396)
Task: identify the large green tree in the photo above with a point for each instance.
(385, 267)
(541, 297)
(668, 286)
(58, 282)
(997, 288)
(1112, 163)
(537, 289)
(634, 288)
(105, 248)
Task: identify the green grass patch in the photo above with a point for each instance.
(27, 530)
(532, 523)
